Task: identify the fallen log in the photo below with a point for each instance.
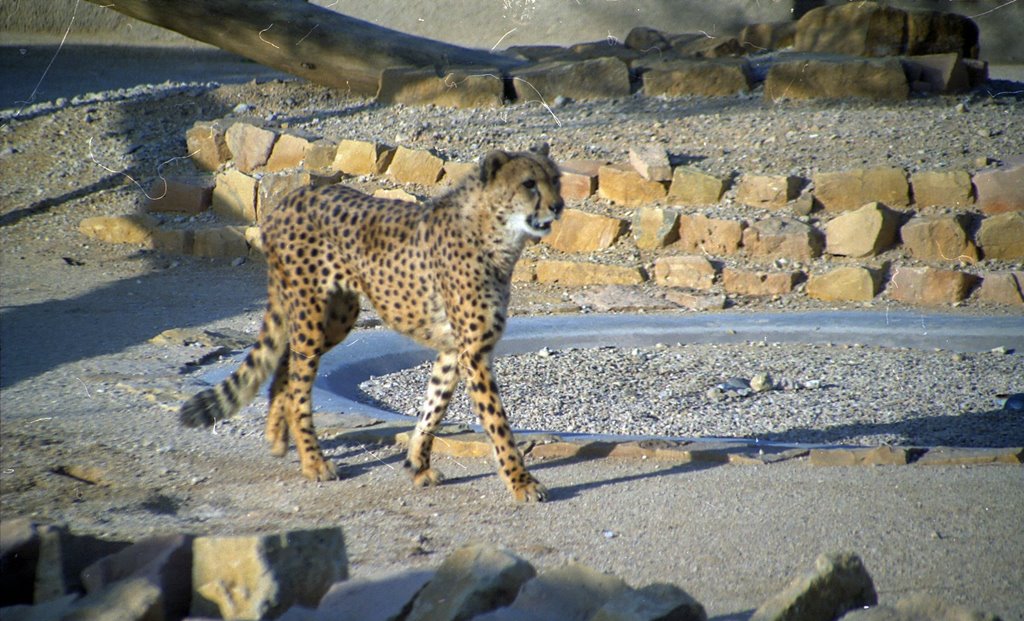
(304, 39)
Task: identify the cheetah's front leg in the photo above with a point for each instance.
(483, 391)
(443, 379)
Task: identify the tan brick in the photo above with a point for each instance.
(948, 188)
(397, 194)
(783, 238)
(696, 78)
(651, 162)
(655, 228)
(1003, 288)
(275, 186)
(356, 157)
(623, 185)
(415, 166)
(221, 241)
(1001, 189)
(880, 79)
(852, 29)
(206, 144)
(937, 73)
(767, 36)
(767, 191)
(929, 286)
(460, 88)
(745, 282)
(698, 233)
(136, 228)
(599, 78)
(694, 187)
(938, 238)
(289, 152)
(579, 178)
(577, 274)
(844, 284)
(250, 145)
(861, 233)
(880, 456)
(851, 189)
(578, 231)
(234, 196)
(693, 272)
(320, 155)
(1002, 236)
(189, 195)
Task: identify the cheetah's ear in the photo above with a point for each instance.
(491, 163)
(540, 148)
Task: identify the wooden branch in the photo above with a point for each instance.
(304, 39)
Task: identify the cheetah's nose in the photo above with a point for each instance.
(557, 207)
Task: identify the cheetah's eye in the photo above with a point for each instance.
(529, 184)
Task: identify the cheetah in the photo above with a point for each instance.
(439, 273)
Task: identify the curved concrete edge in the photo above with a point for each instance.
(375, 352)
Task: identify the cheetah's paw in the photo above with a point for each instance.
(531, 491)
(321, 470)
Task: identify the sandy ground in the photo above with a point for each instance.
(90, 437)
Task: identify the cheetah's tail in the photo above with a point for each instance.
(225, 399)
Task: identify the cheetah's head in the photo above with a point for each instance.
(525, 189)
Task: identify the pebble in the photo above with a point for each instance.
(818, 394)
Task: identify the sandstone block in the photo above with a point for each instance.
(696, 78)
(881, 456)
(189, 195)
(767, 36)
(699, 233)
(701, 46)
(938, 238)
(842, 191)
(320, 155)
(602, 48)
(572, 591)
(234, 196)
(132, 599)
(256, 577)
(275, 186)
(579, 178)
(455, 172)
(623, 185)
(937, 73)
(868, 29)
(783, 238)
(651, 162)
(655, 228)
(220, 241)
(949, 188)
(165, 562)
(19, 553)
(174, 241)
(1002, 236)
(356, 157)
(918, 608)
(254, 237)
(877, 79)
(415, 166)
(929, 286)
(579, 231)
(471, 581)
(62, 555)
(206, 144)
(459, 88)
(861, 233)
(940, 32)
(1001, 189)
(1004, 288)
(957, 456)
(696, 302)
(654, 602)
(645, 40)
(745, 282)
(837, 584)
(136, 228)
(693, 272)
(368, 599)
(768, 191)
(844, 284)
(250, 145)
(693, 187)
(578, 274)
(611, 299)
(599, 78)
(289, 152)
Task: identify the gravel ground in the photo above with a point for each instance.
(84, 390)
(822, 394)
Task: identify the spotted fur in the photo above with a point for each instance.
(438, 273)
